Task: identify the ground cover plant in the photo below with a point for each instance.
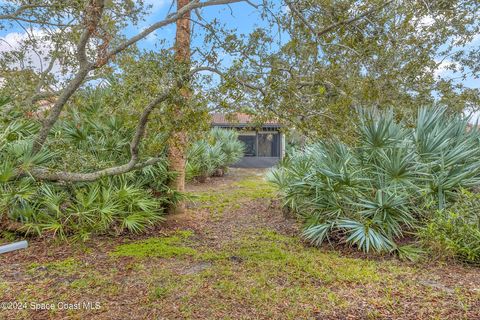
(455, 232)
(393, 180)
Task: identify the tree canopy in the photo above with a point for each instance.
(339, 55)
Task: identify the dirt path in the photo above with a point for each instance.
(233, 255)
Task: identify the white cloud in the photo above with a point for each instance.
(426, 22)
(34, 57)
(444, 68)
(422, 24)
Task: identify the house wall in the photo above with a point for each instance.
(258, 161)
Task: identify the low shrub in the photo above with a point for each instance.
(82, 142)
(213, 154)
(370, 194)
(111, 205)
(203, 159)
(455, 232)
(227, 140)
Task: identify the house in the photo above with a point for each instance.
(264, 143)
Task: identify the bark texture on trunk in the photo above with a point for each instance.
(178, 141)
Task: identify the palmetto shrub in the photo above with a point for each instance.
(218, 150)
(109, 206)
(227, 140)
(80, 142)
(369, 195)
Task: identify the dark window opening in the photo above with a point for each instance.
(250, 145)
(268, 145)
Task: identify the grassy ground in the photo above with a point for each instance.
(233, 255)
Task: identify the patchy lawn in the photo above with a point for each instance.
(233, 255)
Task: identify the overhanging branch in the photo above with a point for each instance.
(196, 4)
(133, 164)
(331, 27)
(46, 174)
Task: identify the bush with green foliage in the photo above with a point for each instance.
(83, 140)
(455, 232)
(218, 150)
(370, 194)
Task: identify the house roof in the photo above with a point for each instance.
(239, 119)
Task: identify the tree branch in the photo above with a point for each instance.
(94, 12)
(223, 75)
(16, 15)
(38, 94)
(300, 16)
(21, 9)
(195, 4)
(336, 24)
(46, 174)
(353, 19)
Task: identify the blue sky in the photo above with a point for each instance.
(240, 16)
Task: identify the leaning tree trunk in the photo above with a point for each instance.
(178, 140)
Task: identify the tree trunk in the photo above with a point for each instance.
(178, 141)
